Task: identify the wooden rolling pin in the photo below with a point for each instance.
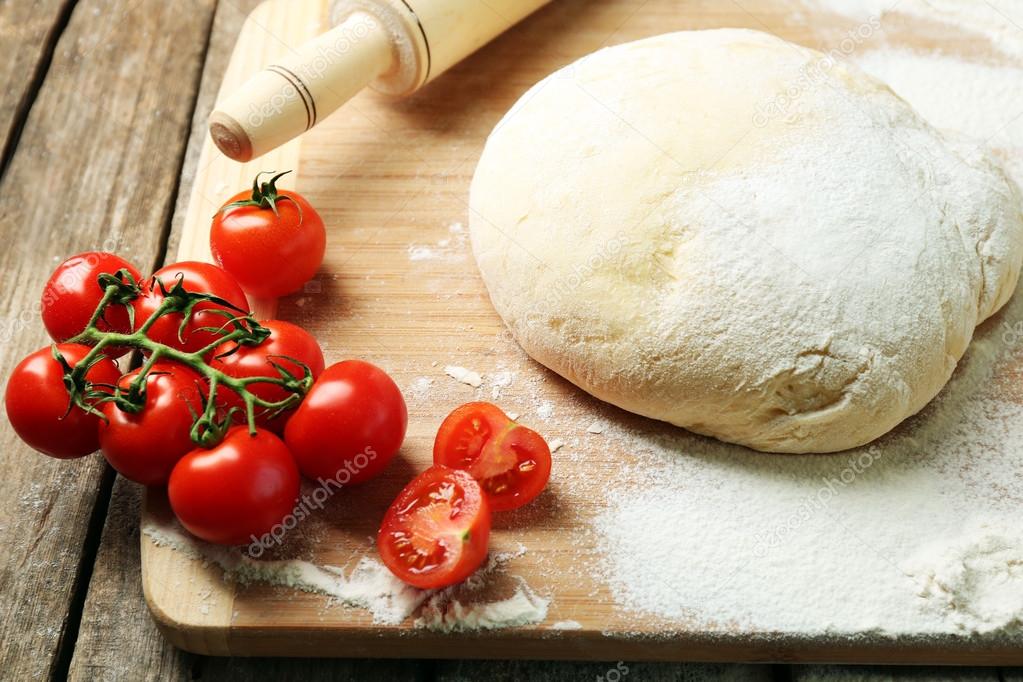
(395, 46)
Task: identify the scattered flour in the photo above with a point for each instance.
(556, 445)
(998, 21)
(467, 377)
(567, 625)
(981, 101)
(976, 581)
(523, 607)
(449, 611)
(595, 428)
(372, 587)
(417, 252)
(420, 388)
(866, 541)
(545, 410)
(369, 585)
(500, 381)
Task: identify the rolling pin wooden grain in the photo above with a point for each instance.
(394, 46)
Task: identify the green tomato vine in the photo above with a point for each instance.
(239, 327)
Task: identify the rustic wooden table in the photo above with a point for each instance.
(102, 111)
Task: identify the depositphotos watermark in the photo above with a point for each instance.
(69, 280)
(615, 674)
(818, 501)
(309, 502)
(814, 73)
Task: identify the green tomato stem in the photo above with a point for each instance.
(207, 431)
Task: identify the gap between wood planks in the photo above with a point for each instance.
(28, 98)
(66, 651)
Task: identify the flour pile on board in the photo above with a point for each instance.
(722, 536)
(976, 581)
(916, 533)
(449, 611)
(370, 585)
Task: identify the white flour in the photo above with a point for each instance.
(998, 21)
(463, 375)
(981, 101)
(715, 535)
(370, 585)
(976, 581)
(917, 533)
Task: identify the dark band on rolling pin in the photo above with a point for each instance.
(426, 41)
(301, 89)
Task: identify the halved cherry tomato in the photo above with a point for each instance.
(73, 293)
(237, 491)
(436, 531)
(197, 278)
(286, 340)
(37, 402)
(464, 432)
(350, 424)
(145, 446)
(272, 241)
(511, 462)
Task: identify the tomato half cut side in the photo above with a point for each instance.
(513, 468)
(464, 432)
(436, 531)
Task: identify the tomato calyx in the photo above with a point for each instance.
(177, 299)
(211, 425)
(265, 195)
(82, 393)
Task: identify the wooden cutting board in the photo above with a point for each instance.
(400, 289)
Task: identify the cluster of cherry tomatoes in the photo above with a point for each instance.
(229, 412)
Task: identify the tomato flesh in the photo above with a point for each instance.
(511, 462)
(436, 531)
(465, 431)
(37, 402)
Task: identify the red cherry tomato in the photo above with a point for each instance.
(271, 241)
(286, 340)
(37, 402)
(511, 462)
(350, 424)
(72, 294)
(145, 446)
(236, 492)
(196, 278)
(436, 531)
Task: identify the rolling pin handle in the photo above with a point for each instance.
(289, 97)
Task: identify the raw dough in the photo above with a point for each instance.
(739, 236)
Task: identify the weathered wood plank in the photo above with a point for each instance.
(830, 673)
(96, 167)
(28, 32)
(115, 618)
(536, 671)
